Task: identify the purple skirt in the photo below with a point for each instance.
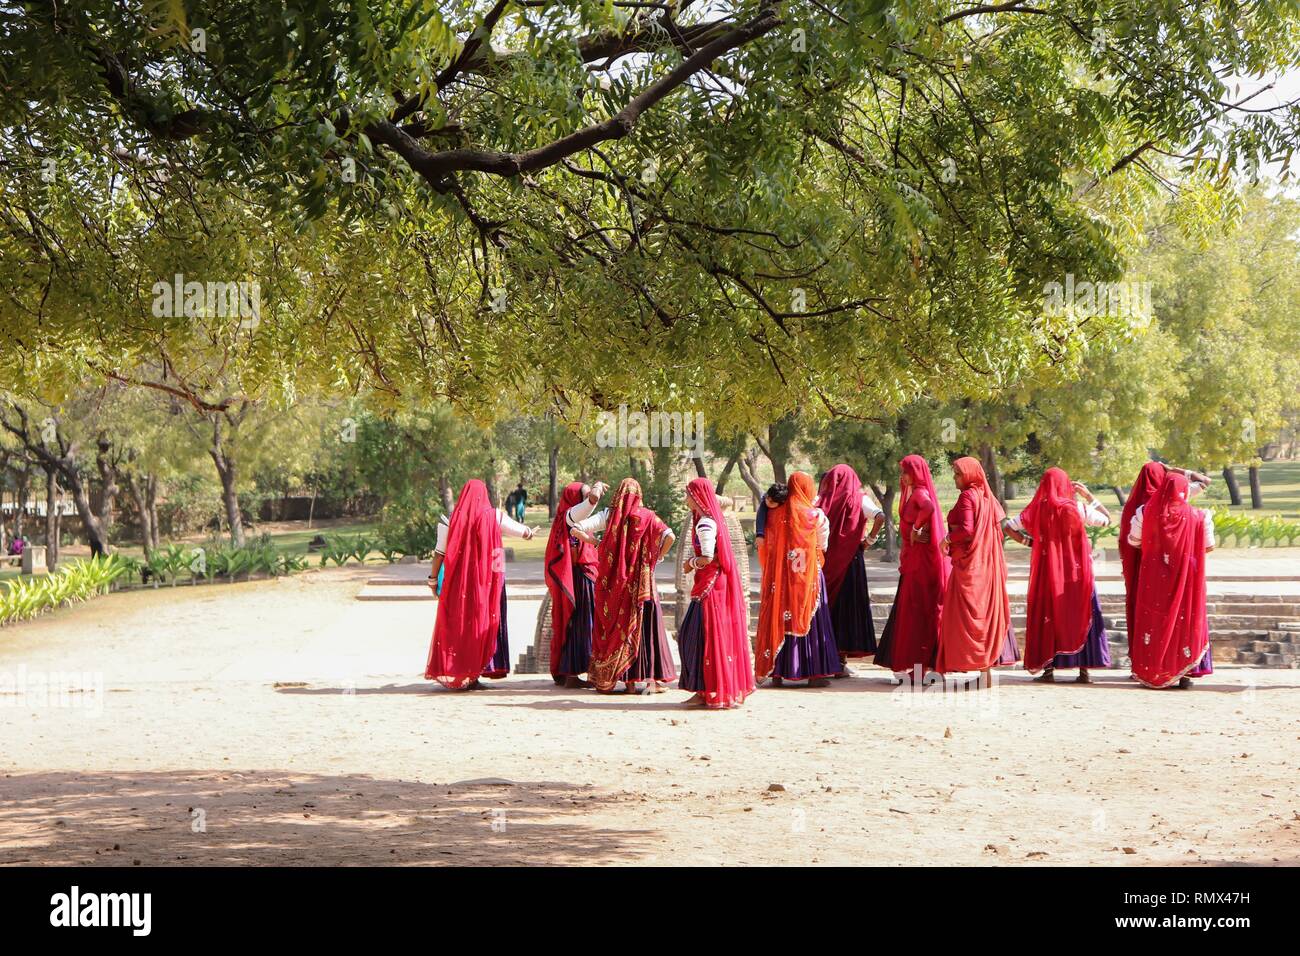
(815, 654)
(575, 655)
(500, 665)
(1096, 650)
(654, 659)
(855, 632)
(690, 643)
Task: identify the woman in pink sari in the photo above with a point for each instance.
(470, 637)
(628, 642)
(911, 637)
(713, 637)
(975, 631)
(570, 569)
(1171, 636)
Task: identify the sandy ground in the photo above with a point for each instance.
(285, 722)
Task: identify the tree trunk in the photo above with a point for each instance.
(989, 460)
(24, 478)
(227, 471)
(1256, 492)
(96, 533)
(891, 531)
(747, 475)
(444, 492)
(494, 495)
(311, 508)
(108, 482)
(1234, 489)
(721, 485)
(553, 482)
(51, 520)
(138, 495)
(1119, 494)
(151, 498)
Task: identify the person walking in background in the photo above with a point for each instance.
(629, 642)
(713, 639)
(1170, 633)
(975, 631)
(1064, 624)
(517, 501)
(570, 570)
(470, 634)
(854, 521)
(911, 637)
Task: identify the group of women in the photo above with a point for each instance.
(951, 612)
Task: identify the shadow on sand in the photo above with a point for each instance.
(288, 818)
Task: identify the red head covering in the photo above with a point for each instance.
(625, 565)
(1060, 573)
(728, 679)
(976, 611)
(1149, 480)
(791, 564)
(918, 470)
(469, 610)
(1169, 636)
(840, 498)
(561, 557)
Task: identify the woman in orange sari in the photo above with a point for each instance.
(975, 631)
(629, 642)
(795, 636)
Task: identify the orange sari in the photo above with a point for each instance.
(791, 565)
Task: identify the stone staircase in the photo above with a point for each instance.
(1257, 629)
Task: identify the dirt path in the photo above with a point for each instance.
(191, 753)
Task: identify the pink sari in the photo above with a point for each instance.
(728, 674)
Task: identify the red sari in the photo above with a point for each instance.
(728, 677)
(1148, 483)
(791, 573)
(976, 623)
(469, 610)
(625, 566)
(1170, 633)
(1060, 573)
(912, 635)
(563, 560)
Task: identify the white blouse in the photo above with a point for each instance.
(1090, 512)
(706, 530)
(595, 524)
(869, 507)
(510, 528)
(1135, 527)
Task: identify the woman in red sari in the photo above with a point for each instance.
(975, 631)
(911, 638)
(1171, 636)
(470, 638)
(1064, 623)
(855, 521)
(570, 569)
(629, 642)
(1149, 480)
(713, 637)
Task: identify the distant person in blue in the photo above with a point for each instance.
(516, 501)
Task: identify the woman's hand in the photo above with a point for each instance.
(1082, 490)
(921, 534)
(597, 492)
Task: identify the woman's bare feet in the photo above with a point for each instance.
(1046, 677)
(1184, 683)
(574, 681)
(1084, 677)
(819, 682)
(695, 698)
(777, 681)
